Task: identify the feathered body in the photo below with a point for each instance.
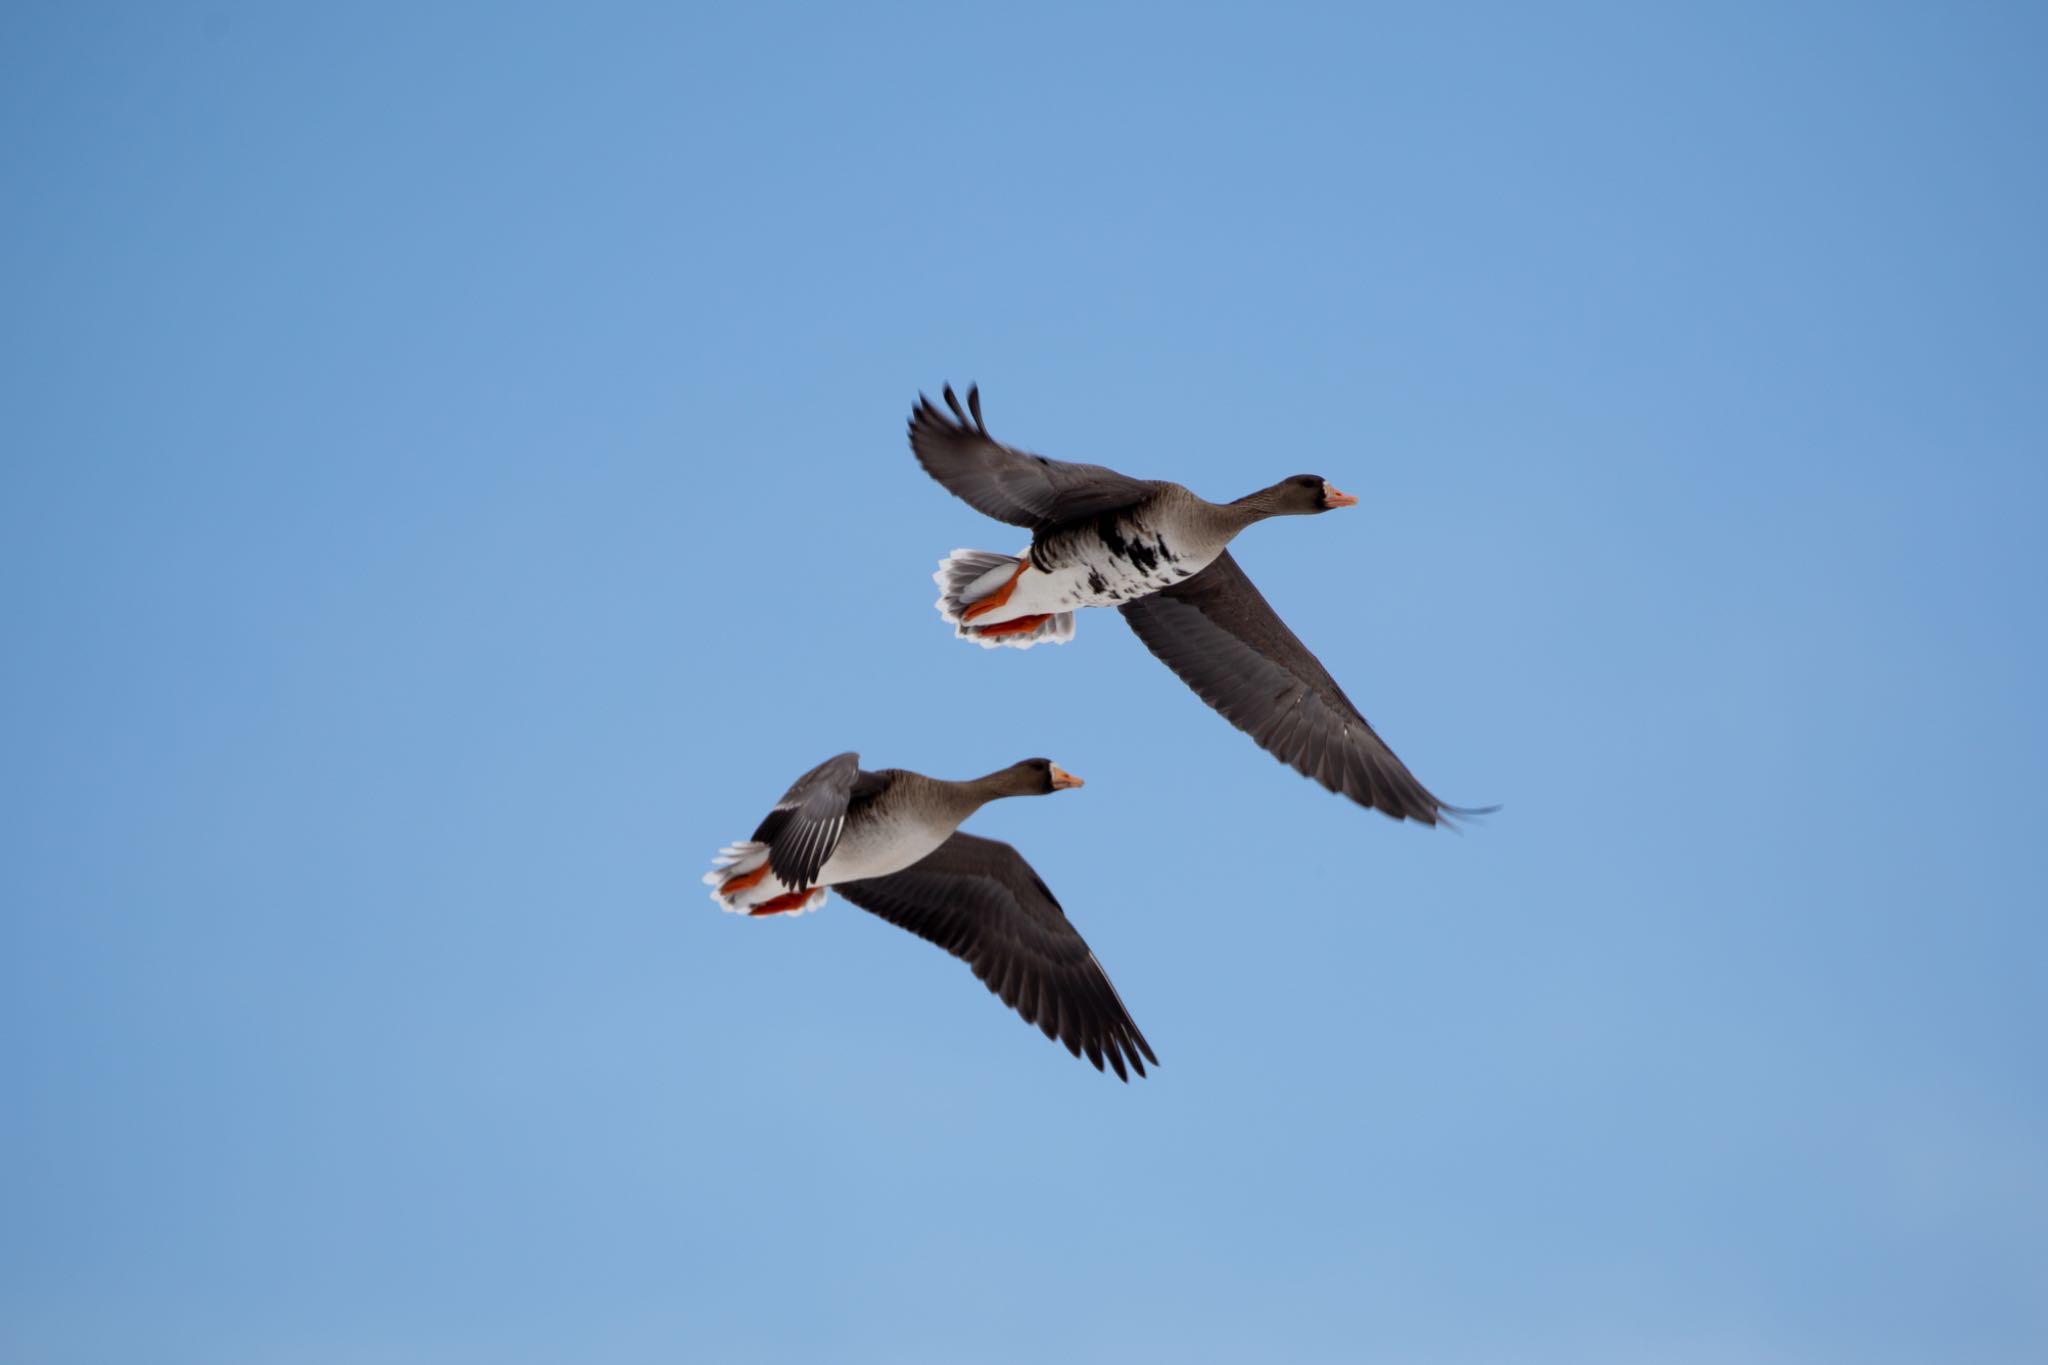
(1116, 556)
(891, 818)
(1106, 560)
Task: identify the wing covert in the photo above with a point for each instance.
(805, 825)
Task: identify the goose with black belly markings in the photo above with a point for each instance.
(1159, 554)
(889, 841)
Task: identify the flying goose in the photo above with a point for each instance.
(1157, 553)
(888, 841)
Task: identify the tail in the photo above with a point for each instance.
(742, 882)
(967, 576)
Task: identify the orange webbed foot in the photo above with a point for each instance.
(998, 597)
(1023, 625)
(793, 900)
(733, 885)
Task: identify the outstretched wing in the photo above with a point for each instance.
(804, 827)
(1226, 642)
(1009, 484)
(980, 901)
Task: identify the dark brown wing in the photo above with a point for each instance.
(805, 825)
(980, 901)
(1232, 648)
(1009, 484)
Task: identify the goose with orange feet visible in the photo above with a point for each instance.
(889, 841)
(1159, 554)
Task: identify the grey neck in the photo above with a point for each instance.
(958, 800)
(1267, 502)
(996, 785)
(1217, 523)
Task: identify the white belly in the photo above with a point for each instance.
(865, 854)
(1102, 581)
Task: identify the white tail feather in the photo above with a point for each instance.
(731, 856)
(962, 572)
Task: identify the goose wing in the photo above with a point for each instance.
(805, 825)
(1006, 483)
(1227, 643)
(980, 901)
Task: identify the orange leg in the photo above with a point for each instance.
(1023, 625)
(791, 901)
(996, 598)
(732, 885)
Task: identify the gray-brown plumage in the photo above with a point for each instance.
(889, 842)
(1158, 553)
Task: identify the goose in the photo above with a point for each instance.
(889, 841)
(1159, 554)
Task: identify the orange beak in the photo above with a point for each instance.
(1062, 779)
(1333, 498)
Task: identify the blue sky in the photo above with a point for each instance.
(454, 479)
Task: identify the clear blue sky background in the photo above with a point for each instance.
(454, 479)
